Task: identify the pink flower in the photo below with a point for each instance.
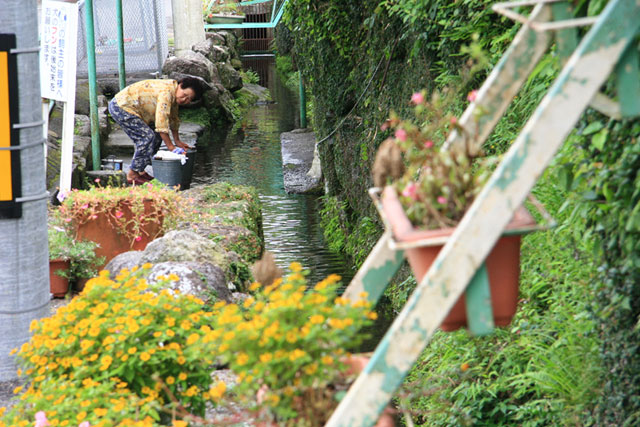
(97, 180)
(119, 214)
(67, 220)
(138, 238)
(411, 191)
(428, 144)
(417, 98)
(442, 200)
(453, 120)
(471, 96)
(85, 424)
(85, 206)
(94, 216)
(401, 135)
(41, 419)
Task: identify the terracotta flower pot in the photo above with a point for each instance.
(58, 285)
(105, 231)
(503, 262)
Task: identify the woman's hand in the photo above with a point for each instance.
(183, 145)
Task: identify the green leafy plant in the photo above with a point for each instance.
(81, 254)
(121, 353)
(287, 344)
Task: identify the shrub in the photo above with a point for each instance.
(104, 357)
(287, 344)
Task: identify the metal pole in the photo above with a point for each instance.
(93, 94)
(156, 23)
(24, 265)
(303, 104)
(121, 67)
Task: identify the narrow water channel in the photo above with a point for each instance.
(250, 154)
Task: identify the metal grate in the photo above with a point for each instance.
(145, 36)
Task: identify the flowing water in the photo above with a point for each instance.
(249, 154)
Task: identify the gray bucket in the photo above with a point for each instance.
(187, 169)
(167, 171)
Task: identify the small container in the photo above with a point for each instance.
(168, 172)
(111, 163)
(187, 169)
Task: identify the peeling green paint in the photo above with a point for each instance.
(376, 280)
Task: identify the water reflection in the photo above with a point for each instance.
(250, 155)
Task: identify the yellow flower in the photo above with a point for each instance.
(192, 339)
(372, 315)
(295, 266)
(296, 354)
(144, 356)
(81, 415)
(255, 286)
(179, 423)
(186, 325)
(101, 412)
(182, 376)
(173, 277)
(292, 336)
(266, 357)
(316, 319)
(218, 390)
(132, 350)
(181, 360)
(242, 359)
(170, 380)
(327, 360)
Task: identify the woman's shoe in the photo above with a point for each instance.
(145, 177)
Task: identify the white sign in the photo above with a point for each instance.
(58, 42)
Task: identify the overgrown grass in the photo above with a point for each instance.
(542, 370)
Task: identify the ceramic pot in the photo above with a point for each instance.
(58, 285)
(105, 231)
(503, 262)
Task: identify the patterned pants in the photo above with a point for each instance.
(147, 141)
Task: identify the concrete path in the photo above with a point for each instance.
(298, 148)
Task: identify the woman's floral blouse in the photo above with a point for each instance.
(154, 101)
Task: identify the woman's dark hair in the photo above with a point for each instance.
(194, 83)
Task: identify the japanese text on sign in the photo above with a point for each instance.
(58, 48)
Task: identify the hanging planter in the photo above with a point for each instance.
(59, 277)
(503, 262)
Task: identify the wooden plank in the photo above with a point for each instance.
(504, 82)
(567, 38)
(376, 271)
(628, 74)
(478, 303)
(478, 231)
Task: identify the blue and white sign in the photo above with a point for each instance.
(58, 40)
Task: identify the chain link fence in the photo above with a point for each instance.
(145, 36)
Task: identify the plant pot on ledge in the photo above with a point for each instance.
(503, 262)
(59, 277)
(120, 219)
(113, 230)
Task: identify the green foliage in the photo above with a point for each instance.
(81, 254)
(602, 174)
(121, 351)
(543, 370)
(249, 76)
(198, 115)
